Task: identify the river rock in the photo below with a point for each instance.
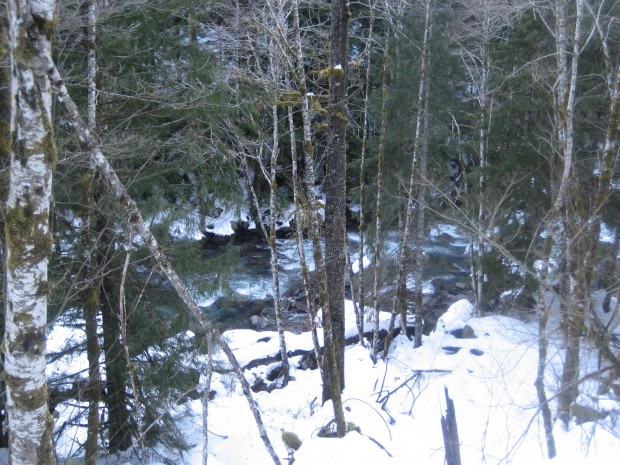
(258, 321)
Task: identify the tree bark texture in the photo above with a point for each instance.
(335, 184)
(543, 402)
(6, 107)
(451, 433)
(93, 283)
(273, 190)
(299, 234)
(28, 238)
(331, 380)
(419, 236)
(360, 314)
(565, 101)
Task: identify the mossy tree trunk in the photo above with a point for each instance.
(331, 376)
(93, 283)
(28, 238)
(90, 299)
(5, 152)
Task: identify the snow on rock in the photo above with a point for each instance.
(456, 317)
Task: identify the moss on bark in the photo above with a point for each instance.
(26, 239)
(29, 400)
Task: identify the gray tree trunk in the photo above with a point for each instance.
(5, 155)
(299, 234)
(564, 102)
(331, 371)
(93, 283)
(335, 184)
(420, 229)
(413, 204)
(379, 206)
(360, 312)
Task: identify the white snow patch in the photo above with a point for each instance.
(356, 264)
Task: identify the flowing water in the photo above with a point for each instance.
(447, 259)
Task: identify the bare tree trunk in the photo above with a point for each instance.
(6, 108)
(335, 180)
(91, 300)
(483, 133)
(331, 364)
(419, 256)
(28, 238)
(565, 100)
(362, 181)
(543, 402)
(299, 226)
(606, 170)
(205, 401)
(275, 71)
(413, 204)
(270, 235)
(379, 205)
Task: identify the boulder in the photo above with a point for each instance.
(258, 322)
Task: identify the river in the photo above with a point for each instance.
(447, 259)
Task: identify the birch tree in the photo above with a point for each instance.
(28, 237)
(568, 46)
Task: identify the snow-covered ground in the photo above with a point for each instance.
(397, 404)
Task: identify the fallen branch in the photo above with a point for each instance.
(415, 376)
